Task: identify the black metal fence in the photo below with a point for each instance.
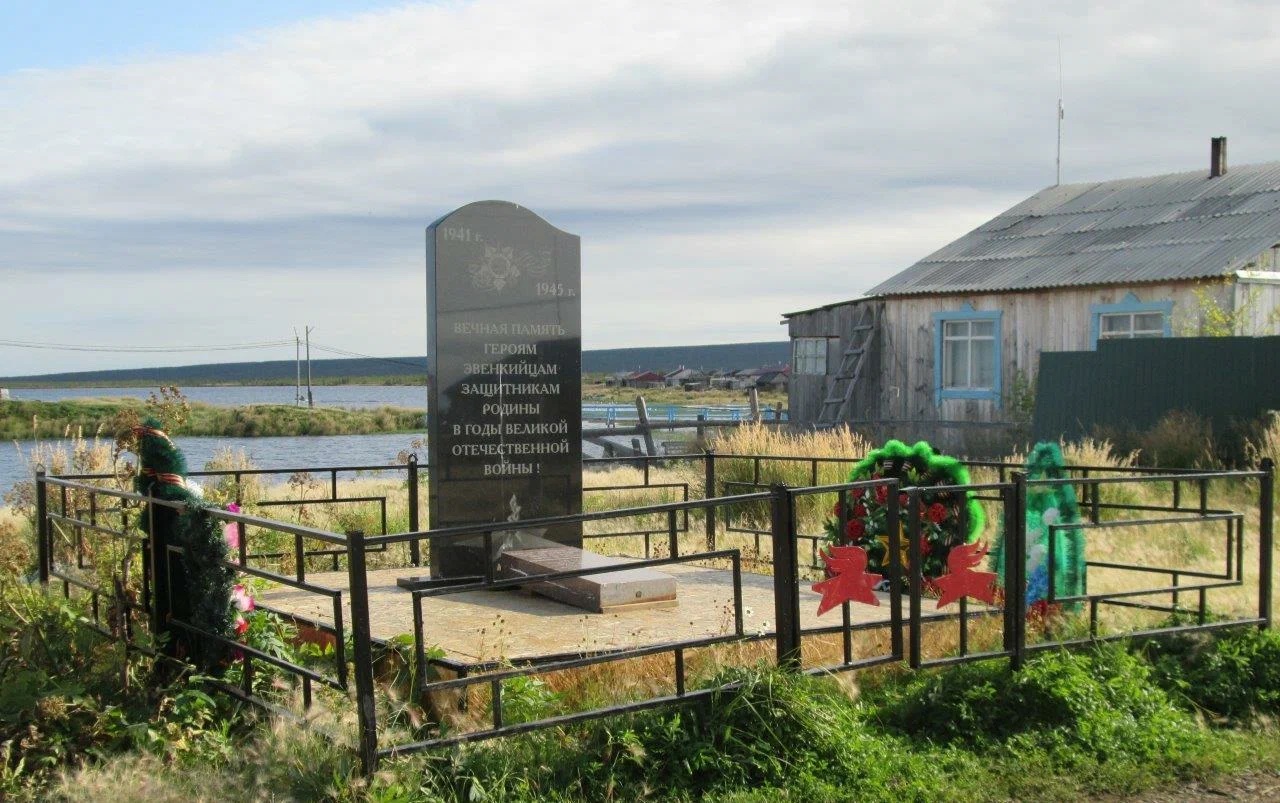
(91, 537)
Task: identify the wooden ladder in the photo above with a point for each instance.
(834, 407)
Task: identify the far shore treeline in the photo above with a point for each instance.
(402, 370)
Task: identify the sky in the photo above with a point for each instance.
(182, 175)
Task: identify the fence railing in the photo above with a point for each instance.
(90, 537)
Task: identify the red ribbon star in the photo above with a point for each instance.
(850, 581)
(963, 581)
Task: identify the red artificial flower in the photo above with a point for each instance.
(937, 512)
(882, 494)
(835, 511)
(860, 510)
(859, 493)
(855, 529)
(925, 546)
(902, 500)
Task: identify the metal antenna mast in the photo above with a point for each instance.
(1058, 177)
(310, 400)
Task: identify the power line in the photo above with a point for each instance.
(24, 344)
(347, 353)
(28, 344)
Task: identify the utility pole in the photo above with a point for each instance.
(310, 400)
(297, 362)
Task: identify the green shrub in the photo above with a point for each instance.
(1234, 675)
(772, 730)
(1103, 704)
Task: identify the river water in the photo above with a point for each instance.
(350, 396)
(311, 451)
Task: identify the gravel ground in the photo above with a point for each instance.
(1249, 786)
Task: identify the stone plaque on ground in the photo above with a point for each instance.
(602, 592)
(504, 355)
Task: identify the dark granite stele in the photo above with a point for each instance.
(504, 408)
(504, 412)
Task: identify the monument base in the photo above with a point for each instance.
(625, 589)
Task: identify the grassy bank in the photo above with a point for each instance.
(21, 420)
(1109, 723)
(410, 380)
(1106, 723)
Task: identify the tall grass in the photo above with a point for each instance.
(839, 449)
(1266, 442)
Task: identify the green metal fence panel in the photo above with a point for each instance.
(1132, 384)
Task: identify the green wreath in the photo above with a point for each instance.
(947, 518)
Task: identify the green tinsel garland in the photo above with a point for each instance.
(201, 579)
(1046, 505)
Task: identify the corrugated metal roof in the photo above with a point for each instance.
(1157, 228)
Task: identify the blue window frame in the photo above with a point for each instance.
(967, 353)
(1130, 318)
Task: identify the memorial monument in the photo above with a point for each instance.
(504, 351)
(504, 414)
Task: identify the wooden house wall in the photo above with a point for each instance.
(896, 394)
(1259, 303)
(1047, 320)
(807, 391)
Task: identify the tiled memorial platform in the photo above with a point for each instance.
(476, 626)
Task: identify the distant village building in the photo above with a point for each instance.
(774, 377)
(642, 379)
(683, 376)
(940, 350)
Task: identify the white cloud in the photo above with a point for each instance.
(771, 156)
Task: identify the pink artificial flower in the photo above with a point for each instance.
(231, 531)
(242, 625)
(242, 598)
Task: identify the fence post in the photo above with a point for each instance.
(915, 578)
(892, 523)
(42, 527)
(786, 587)
(1016, 543)
(161, 563)
(642, 413)
(415, 549)
(366, 711)
(709, 492)
(1266, 539)
(1007, 509)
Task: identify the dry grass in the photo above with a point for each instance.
(16, 548)
(1267, 443)
(840, 442)
(1188, 545)
(841, 447)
